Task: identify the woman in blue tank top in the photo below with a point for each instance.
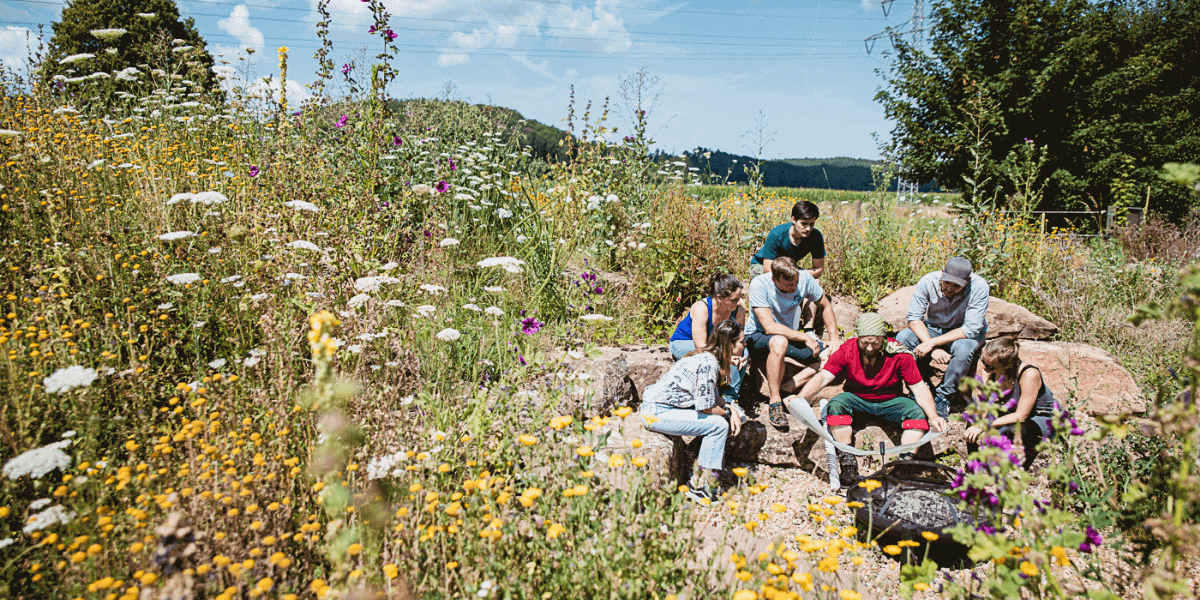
(1035, 408)
(724, 301)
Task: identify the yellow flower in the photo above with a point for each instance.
(857, 560)
(1060, 556)
(870, 485)
(527, 440)
(833, 501)
(622, 412)
(892, 549)
(828, 564)
(616, 460)
(148, 578)
(391, 571)
(452, 565)
(558, 423)
(804, 580)
(1028, 568)
(745, 595)
(851, 595)
(908, 544)
(584, 451)
(555, 530)
(354, 549)
(777, 507)
(649, 419)
(744, 575)
(640, 461)
(264, 585)
(636, 443)
(920, 586)
(751, 526)
(848, 532)
(929, 535)
(740, 471)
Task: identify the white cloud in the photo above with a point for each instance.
(238, 25)
(296, 93)
(871, 5)
(447, 59)
(16, 45)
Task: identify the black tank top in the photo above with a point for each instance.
(1044, 407)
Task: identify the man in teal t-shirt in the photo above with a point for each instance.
(796, 240)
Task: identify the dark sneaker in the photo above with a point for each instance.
(906, 456)
(700, 496)
(701, 491)
(778, 415)
(848, 465)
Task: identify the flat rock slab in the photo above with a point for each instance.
(1003, 317)
(1085, 378)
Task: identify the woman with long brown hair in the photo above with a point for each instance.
(686, 402)
(1032, 404)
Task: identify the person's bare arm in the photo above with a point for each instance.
(929, 343)
(817, 269)
(924, 399)
(1030, 385)
(700, 324)
(816, 384)
(831, 325)
(767, 264)
(766, 319)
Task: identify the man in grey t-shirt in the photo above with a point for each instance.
(773, 330)
(948, 311)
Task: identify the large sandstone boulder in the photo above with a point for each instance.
(1003, 317)
(847, 313)
(619, 376)
(1085, 378)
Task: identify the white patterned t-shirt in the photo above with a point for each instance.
(691, 383)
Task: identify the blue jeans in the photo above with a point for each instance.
(962, 356)
(733, 389)
(712, 430)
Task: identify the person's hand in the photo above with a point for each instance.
(812, 344)
(972, 434)
(738, 362)
(939, 424)
(735, 423)
(923, 349)
(940, 357)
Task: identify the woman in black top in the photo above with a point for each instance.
(1035, 407)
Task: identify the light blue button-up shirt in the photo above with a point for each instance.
(967, 309)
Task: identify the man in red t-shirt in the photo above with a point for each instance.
(874, 375)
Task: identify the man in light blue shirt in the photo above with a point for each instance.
(774, 332)
(948, 310)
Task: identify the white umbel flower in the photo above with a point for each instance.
(372, 284)
(48, 518)
(494, 289)
(65, 380)
(358, 300)
(494, 311)
(508, 263)
(209, 198)
(448, 335)
(302, 205)
(426, 310)
(472, 307)
(446, 243)
(38, 462)
(595, 318)
(435, 290)
(303, 245)
(76, 58)
(176, 235)
(184, 278)
(108, 35)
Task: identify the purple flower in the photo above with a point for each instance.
(391, 35)
(453, 165)
(397, 140)
(254, 170)
(598, 290)
(442, 187)
(521, 359)
(371, 30)
(530, 326)
(346, 68)
(1093, 540)
(1072, 486)
(341, 122)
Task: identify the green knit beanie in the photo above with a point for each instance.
(870, 324)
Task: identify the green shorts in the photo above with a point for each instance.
(901, 410)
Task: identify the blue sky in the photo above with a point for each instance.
(801, 63)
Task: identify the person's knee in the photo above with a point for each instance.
(964, 348)
(778, 345)
(908, 338)
(719, 426)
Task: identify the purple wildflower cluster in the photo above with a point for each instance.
(1093, 540)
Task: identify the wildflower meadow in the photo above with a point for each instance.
(330, 351)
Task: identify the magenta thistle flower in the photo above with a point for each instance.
(371, 29)
(346, 68)
(397, 140)
(442, 187)
(391, 35)
(254, 170)
(341, 122)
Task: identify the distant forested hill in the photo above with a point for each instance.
(840, 173)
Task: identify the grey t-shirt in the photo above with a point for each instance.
(763, 293)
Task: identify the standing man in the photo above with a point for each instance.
(948, 311)
(875, 369)
(796, 240)
(773, 331)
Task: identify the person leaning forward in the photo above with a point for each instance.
(875, 369)
(795, 240)
(773, 331)
(948, 311)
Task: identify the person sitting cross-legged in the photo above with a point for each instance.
(685, 402)
(773, 331)
(724, 301)
(875, 369)
(948, 311)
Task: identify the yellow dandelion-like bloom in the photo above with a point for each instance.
(1060, 556)
(850, 595)
(616, 460)
(354, 549)
(1029, 569)
(779, 508)
(741, 471)
(527, 440)
(745, 595)
(584, 451)
(929, 535)
(804, 580)
(555, 530)
(639, 461)
(920, 586)
(391, 571)
(892, 549)
(751, 526)
(623, 412)
(828, 564)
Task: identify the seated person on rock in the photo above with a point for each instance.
(795, 240)
(724, 301)
(948, 311)
(685, 402)
(875, 369)
(773, 331)
(1031, 405)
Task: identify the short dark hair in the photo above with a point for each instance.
(805, 211)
